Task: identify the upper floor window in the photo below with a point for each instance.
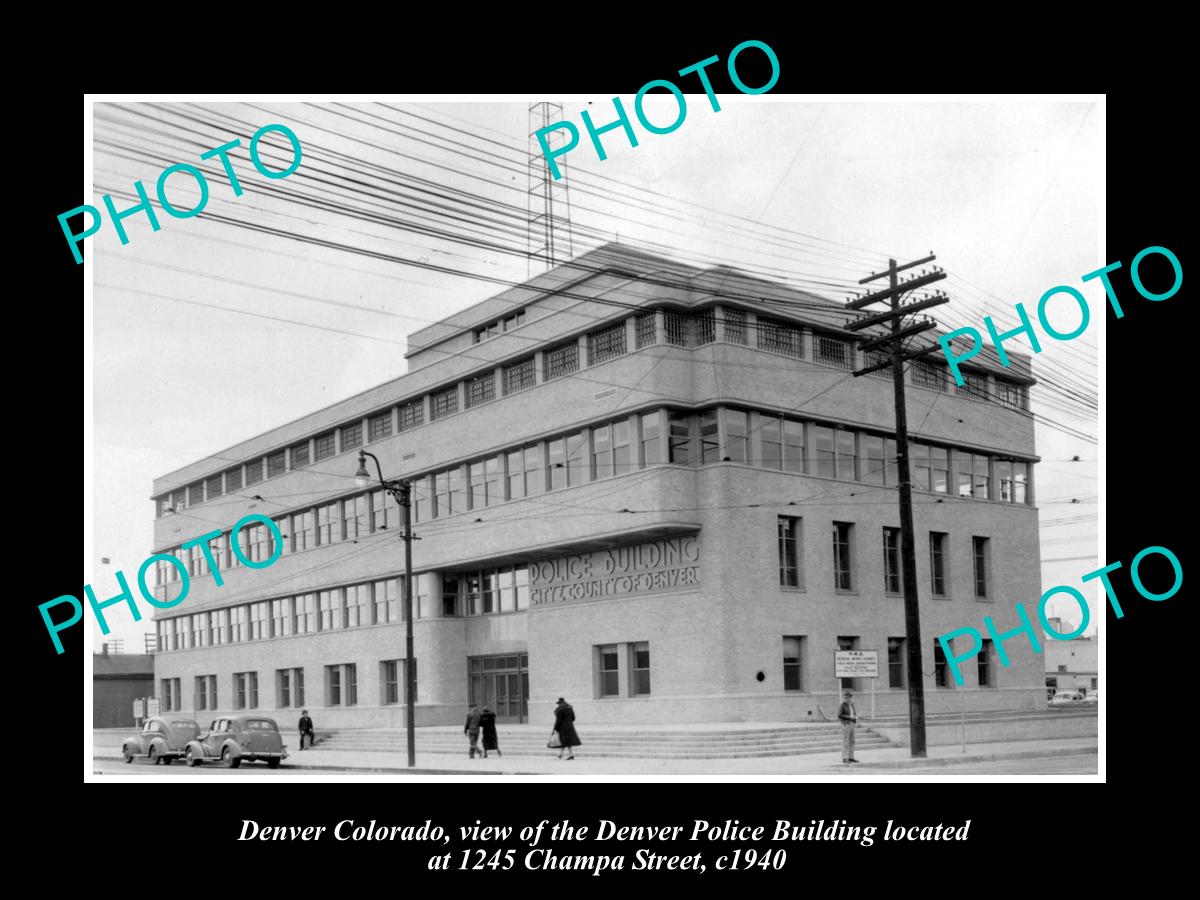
(974, 386)
(501, 325)
(254, 472)
(928, 375)
(779, 337)
(412, 414)
(351, 436)
(645, 329)
(276, 464)
(1012, 395)
(300, 455)
(213, 486)
(843, 569)
(833, 352)
(605, 344)
(562, 360)
(480, 390)
(518, 376)
(233, 480)
(324, 446)
(380, 426)
(444, 403)
(735, 326)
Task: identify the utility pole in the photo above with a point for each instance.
(894, 340)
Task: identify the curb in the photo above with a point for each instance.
(987, 757)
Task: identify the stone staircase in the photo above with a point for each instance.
(696, 742)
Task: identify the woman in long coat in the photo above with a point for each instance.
(564, 724)
(487, 727)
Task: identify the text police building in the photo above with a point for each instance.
(653, 489)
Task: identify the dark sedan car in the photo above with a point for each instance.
(160, 740)
(235, 738)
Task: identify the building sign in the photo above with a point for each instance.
(856, 663)
(151, 707)
(139, 709)
(648, 568)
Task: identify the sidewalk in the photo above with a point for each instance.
(548, 764)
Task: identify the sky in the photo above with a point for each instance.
(1006, 193)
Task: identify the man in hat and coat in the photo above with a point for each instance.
(471, 730)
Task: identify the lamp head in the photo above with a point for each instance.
(362, 477)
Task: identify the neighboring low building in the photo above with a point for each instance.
(117, 680)
(1071, 665)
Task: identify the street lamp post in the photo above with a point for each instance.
(401, 490)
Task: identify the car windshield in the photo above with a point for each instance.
(261, 725)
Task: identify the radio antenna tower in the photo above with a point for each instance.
(547, 199)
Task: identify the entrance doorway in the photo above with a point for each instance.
(501, 683)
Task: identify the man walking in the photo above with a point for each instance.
(849, 719)
(306, 729)
(471, 730)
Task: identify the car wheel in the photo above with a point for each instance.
(230, 761)
(273, 762)
(192, 758)
(155, 759)
(126, 755)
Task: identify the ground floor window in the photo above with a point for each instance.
(793, 664)
(245, 690)
(206, 692)
(622, 670)
(170, 699)
(391, 681)
(289, 688)
(341, 685)
(897, 658)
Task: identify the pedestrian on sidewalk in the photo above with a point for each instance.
(306, 729)
(564, 724)
(487, 725)
(849, 719)
(471, 730)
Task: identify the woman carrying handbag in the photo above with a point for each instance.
(564, 736)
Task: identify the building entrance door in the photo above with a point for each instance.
(501, 683)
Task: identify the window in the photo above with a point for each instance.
(213, 486)
(389, 677)
(872, 458)
(984, 661)
(843, 574)
(825, 452)
(239, 624)
(284, 524)
(705, 327)
(737, 427)
(833, 352)
(710, 440)
(306, 613)
(333, 685)
(891, 560)
(779, 337)
(965, 470)
(450, 493)
(379, 426)
(771, 441)
(848, 642)
(324, 446)
(356, 517)
(200, 629)
(562, 360)
(387, 601)
(606, 344)
(1010, 394)
(645, 325)
(276, 464)
(928, 375)
(939, 665)
(937, 563)
(218, 627)
(980, 482)
(351, 436)
(610, 685)
(233, 480)
(179, 499)
(329, 604)
(350, 680)
(450, 586)
(443, 403)
(535, 471)
(412, 414)
(793, 666)
(918, 460)
(245, 690)
(789, 551)
(639, 669)
(939, 466)
(897, 660)
(974, 386)
(171, 699)
(846, 455)
(300, 457)
(518, 376)
(283, 688)
(1020, 480)
(651, 424)
(282, 618)
(329, 524)
(680, 442)
(304, 530)
(610, 450)
(195, 493)
(981, 547)
(254, 473)
(874, 357)
(206, 692)
(891, 468)
(480, 390)
(492, 329)
(356, 609)
(260, 620)
(676, 328)
(735, 325)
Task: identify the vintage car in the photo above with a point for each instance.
(235, 738)
(1067, 698)
(162, 739)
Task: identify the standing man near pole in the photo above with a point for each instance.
(848, 716)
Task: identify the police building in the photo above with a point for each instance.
(653, 489)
